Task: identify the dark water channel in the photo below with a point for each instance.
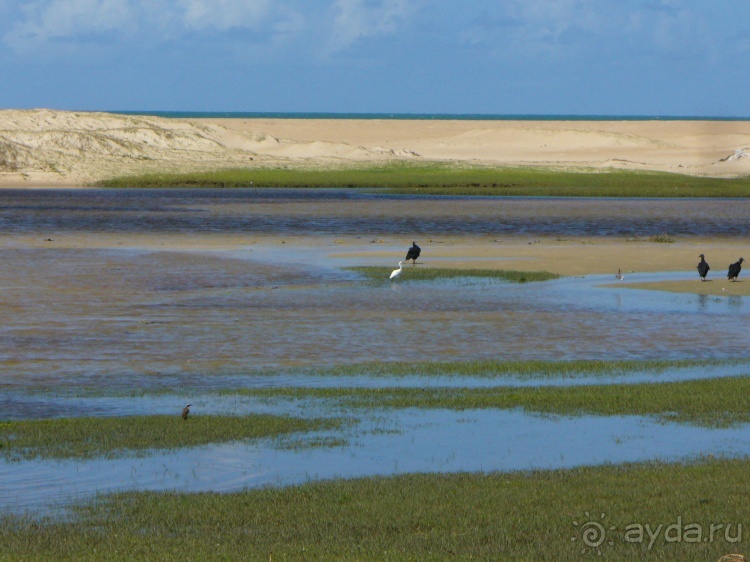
(359, 212)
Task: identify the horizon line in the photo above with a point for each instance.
(426, 116)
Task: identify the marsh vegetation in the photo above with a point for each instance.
(445, 179)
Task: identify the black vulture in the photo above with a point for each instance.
(413, 253)
(703, 268)
(186, 411)
(734, 270)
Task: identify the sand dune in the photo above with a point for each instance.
(49, 148)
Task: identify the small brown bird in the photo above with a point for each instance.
(186, 411)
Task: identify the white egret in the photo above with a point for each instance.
(396, 272)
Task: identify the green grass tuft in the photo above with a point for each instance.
(376, 273)
(663, 238)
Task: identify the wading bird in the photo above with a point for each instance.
(734, 270)
(703, 268)
(186, 411)
(396, 272)
(413, 253)
(619, 275)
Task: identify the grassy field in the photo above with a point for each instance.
(443, 179)
(696, 511)
(113, 436)
(723, 401)
(376, 273)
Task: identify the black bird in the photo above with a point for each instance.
(413, 253)
(734, 270)
(703, 268)
(186, 411)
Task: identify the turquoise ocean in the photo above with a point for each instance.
(419, 116)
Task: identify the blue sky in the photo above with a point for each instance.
(589, 57)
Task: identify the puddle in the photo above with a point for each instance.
(392, 442)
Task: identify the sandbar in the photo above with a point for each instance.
(50, 148)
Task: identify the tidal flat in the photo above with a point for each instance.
(125, 305)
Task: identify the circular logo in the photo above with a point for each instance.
(592, 534)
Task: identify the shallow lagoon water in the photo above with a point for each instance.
(141, 318)
(91, 314)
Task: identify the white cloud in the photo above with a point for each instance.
(567, 28)
(528, 28)
(49, 21)
(224, 14)
(66, 19)
(358, 19)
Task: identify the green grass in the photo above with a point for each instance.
(497, 516)
(716, 402)
(113, 436)
(376, 273)
(445, 179)
(529, 369)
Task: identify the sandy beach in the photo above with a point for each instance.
(46, 148)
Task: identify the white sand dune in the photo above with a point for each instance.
(48, 148)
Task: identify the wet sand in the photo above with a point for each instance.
(568, 257)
